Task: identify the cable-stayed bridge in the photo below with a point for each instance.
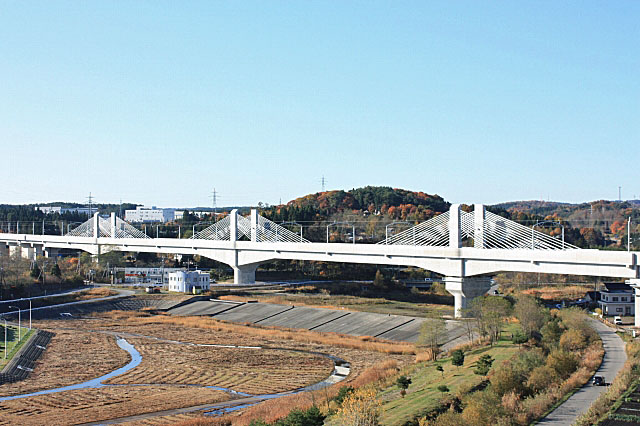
(466, 247)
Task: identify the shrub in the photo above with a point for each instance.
(342, 394)
(563, 362)
(360, 408)
(403, 382)
(506, 379)
(443, 388)
(483, 365)
(519, 338)
(573, 340)
(541, 378)
(457, 358)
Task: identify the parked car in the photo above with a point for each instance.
(598, 381)
(617, 320)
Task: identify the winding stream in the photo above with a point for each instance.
(136, 359)
(341, 371)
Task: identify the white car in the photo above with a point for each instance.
(617, 320)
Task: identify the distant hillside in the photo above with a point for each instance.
(377, 200)
(606, 218)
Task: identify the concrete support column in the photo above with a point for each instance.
(254, 225)
(478, 228)
(113, 225)
(465, 289)
(244, 274)
(96, 225)
(635, 284)
(38, 251)
(455, 228)
(28, 253)
(4, 249)
(51, 252)
(233, 225)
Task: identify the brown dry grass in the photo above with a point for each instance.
(254, 371)
(70, 358)
(86, 405)
(333, 339)
(272, 410)
(249, 370)
(558, 292)
(95, 293)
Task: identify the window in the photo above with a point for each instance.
(618, 309)
(615, 299)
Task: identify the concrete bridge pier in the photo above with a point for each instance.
(464, 289)
(245, 274)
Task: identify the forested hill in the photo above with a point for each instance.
(600, 223)
(377, 200)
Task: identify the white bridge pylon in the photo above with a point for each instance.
(486, 229)
(255, 228)
(114, 227)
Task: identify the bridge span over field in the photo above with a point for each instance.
(494, 244)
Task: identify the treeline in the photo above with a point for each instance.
(376, 201)
(29, 213)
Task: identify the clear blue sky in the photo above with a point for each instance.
(160, 102)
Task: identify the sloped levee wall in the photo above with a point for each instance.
(24, 361)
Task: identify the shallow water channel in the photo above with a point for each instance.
(340, 372)
(136, 359)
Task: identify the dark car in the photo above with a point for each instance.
(598, 381)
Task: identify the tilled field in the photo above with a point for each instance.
(253, 371)
(88, 405)
(83, 349)
(71, 357)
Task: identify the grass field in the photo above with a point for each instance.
(354, 303)
(13, 344)
(423, 396)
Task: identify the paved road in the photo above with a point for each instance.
(121, 293)
(579, 403)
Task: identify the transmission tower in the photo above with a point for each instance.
(214, 202)
(90, 201)
(324, 182)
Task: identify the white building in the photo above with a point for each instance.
(617, 299)
(187, 281)
(155, 276)
(149, 214)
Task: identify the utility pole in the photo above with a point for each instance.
(324, 182)
(619, 193)
(120, 210)
(629, 234)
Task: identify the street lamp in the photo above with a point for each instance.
(386, 231)
(19, 321)
(353, 229)
(546, 222)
